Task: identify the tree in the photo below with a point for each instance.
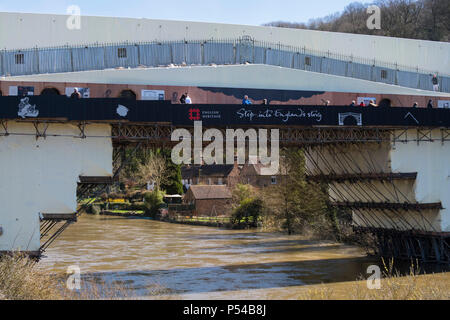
(153, 202)
(242, 192)
(154, 169)
(172, 184)
(249, 210)
(414, 19)
(295, 202)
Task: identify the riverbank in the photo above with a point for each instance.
(205, 221)
(216, 222)
(123, 213)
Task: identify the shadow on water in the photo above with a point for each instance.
(246, 276)
(239, 277)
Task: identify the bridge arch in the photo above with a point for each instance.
(50, 92)
(385, 103)
(127, 94)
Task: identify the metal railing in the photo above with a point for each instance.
(220, 52)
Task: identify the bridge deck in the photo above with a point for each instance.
(123, 111)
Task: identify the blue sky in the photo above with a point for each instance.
(250, 12)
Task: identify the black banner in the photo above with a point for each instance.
(280, 115)
(92, 109)
(114, 109)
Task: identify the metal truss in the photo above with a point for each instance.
(409, 245)
(388, 205)
(419, 135)
(374, 197)
(288, 136)
(352, 177)
(324, 135)
(4, 128)
(41, 128)
(157, 133)
(160, 133)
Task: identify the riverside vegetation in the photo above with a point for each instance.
(21, 279)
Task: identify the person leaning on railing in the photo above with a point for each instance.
(246, 100)
(372, 104)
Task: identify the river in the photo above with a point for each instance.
(194, 262)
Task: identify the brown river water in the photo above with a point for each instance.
(194, 262)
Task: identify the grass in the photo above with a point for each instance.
(394, 286)
(21, 279)
(127, 211)
(203, 219)
(209, 219)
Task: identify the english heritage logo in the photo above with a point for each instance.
(194, 114)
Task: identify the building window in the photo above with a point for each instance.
(273, 180)
(219, 180)
(122, 52)
(383, 74)
(209, 181)
(20, 58)
(308, 61)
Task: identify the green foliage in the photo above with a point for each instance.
(242, 192)
(137, 206)
(95, 209)
(248, 212)
(173, 184)
(133, 160)
(153, 201)
(295, 204)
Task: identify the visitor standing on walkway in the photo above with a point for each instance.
(435, 82)
(183, 98)
(75, 94)
(188, 99)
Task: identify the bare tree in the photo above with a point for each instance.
(414, 19)
(154, 169)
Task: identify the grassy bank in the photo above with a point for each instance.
(21, 279)
(217, 222)
(393, 286)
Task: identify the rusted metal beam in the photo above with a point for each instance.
(96, 180)
(409, 244)
(59, 217)
(388, 205)
(363, 176)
